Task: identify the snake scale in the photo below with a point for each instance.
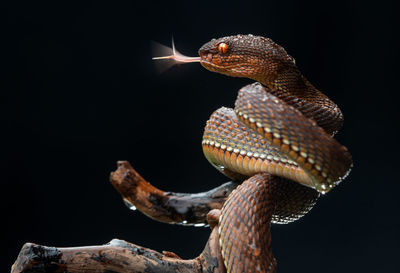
(280, 132)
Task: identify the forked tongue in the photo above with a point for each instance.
(175, 56)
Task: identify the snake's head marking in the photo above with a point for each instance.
(248, 56)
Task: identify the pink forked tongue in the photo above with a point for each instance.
(178, 57)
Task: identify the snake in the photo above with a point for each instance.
(278, 142)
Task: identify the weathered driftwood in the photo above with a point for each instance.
(116, 256)
(169, 207)
(121, 256)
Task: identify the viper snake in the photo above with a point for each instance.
(277, 142)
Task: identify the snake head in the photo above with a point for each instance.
(247, 56)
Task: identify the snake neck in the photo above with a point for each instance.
(293, 88)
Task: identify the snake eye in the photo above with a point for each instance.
(222, 48)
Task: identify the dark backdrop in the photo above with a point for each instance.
(81, 93)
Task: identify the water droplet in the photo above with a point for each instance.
(129, 204)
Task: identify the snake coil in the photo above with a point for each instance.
(279, 133)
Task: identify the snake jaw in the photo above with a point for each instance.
(222, 64)
(212, 62)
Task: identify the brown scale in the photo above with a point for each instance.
(263, 60)
(239, 154)
(292, 122)
(244, 226)
(315, 147)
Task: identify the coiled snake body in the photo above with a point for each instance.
(280, 131)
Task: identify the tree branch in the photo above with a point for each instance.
(116, 256)
(169, 207)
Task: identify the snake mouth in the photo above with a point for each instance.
(209, 65)
(212, 63)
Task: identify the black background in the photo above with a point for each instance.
(81, 93)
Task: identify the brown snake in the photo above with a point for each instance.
(281, 130)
